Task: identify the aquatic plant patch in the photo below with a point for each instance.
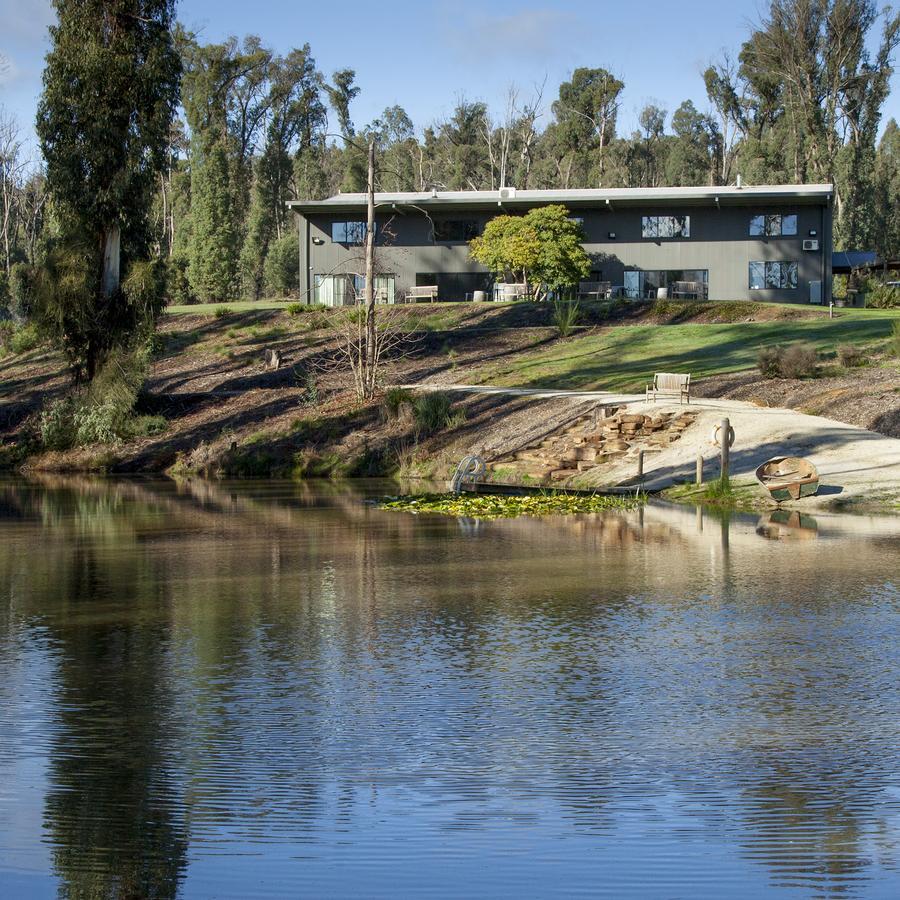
(487, 506)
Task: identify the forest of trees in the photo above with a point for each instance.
(800, 101)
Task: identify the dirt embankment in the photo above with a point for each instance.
(225, 413)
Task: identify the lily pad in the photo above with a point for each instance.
(488, 506)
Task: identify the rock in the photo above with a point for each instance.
(273, 359)
(615, 445)
(588, 454)
(631, 419)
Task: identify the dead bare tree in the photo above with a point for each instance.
(12, 167)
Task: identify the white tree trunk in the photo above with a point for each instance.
(109, 282)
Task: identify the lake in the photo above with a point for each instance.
(276, 690)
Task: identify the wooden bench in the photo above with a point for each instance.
(594, 290)
(686, 289)
(508, 291)
(427, 292)
(669, 384)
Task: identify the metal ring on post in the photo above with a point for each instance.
(715, 436)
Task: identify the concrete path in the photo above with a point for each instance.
(853, 463)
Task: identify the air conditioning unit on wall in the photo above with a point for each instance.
(507, 193)
(810, 245)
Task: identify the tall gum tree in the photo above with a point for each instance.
(111, 85)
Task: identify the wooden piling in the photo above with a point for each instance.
(640, 473)
(726, 448)
(699, 477)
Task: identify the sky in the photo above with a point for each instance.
(425, 56)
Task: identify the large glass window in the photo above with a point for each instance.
(345, 290)
(773, 276)
(666, 226)
(455, 285)
(773, 225)
(349, 232)
(683, 283)
(456, 230)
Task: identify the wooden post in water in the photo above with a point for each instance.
(640, 473)
(699, 477)
(724, 443)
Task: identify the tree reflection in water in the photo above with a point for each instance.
(282, 665)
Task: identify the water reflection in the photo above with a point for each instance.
(242, 683)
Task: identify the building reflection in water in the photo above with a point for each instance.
(260, 664)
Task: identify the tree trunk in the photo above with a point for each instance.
(109, 282)
(370, 349)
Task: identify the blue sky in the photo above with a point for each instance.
(424, 55)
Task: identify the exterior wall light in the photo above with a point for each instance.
(611, 235)
(317, 241)
(813, 232)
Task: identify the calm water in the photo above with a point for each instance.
(275, 690)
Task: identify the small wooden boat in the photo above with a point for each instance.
(788, 478)
(787, 525)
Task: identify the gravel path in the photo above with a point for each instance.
(853, 463)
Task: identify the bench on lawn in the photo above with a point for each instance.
(689, 289)
(670, 384)
(594, 290)
(427, 292)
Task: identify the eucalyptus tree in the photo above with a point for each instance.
(110, 88)
(586, 113)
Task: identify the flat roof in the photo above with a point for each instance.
(510, 197)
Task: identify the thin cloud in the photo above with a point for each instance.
(483, 37)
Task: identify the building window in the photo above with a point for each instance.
(770, 276)
(682, 283)
(773, 225)
(349, 232)
(666, 226)
(455, 285)
(456, 230)
(346, 290)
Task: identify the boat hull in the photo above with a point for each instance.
(788, 478)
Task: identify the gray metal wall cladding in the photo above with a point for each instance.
(719, 242)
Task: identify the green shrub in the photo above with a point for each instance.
(221, 311)
(97, 423)
(24, 339)
(565, 316)
(432, 412)
(178, 286)
(56, 426)
(767, 361)
(156, 343)
(147, 426)
(20, 290)
(851, 356)
(309, 386)
(719, 490)
(394, 398)
(7, 330)
(104, 413)
(144, 287)
(294, 309)
(881, 296)
(319, 320)
(281, 270)
(895, 339)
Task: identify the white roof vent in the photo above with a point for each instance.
(739, 182)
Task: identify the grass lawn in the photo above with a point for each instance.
(626, 356)
(209, 309)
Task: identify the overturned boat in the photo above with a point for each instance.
(788, 478)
